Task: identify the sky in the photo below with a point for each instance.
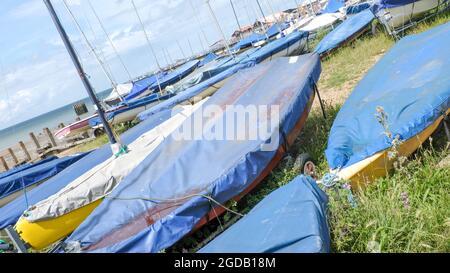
(37, 75)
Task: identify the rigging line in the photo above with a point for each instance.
(149, 44)
(102, 54)
(181, 49)
(216, 21)
(274, 15)
(198, 22)
(110, 41)
(92, 49)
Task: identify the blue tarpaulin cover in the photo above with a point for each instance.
(332, 6)
(345, 31)
(208, 58)
(248, 41)
(276, 28)
(411, 82)
(292, 219)
(10, 213)
(268, 51)
(192, 92)
(35, 174)
(138, 216)
(357, 8)
(26, 166)
(164, 79)
(143, 102)
(141, 86)
(243, 60)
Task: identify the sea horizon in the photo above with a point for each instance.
(11, 135)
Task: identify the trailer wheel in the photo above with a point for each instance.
(98, 132)
(305, 164)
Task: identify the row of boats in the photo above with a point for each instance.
(165, 188)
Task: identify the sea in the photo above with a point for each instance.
(20, 132)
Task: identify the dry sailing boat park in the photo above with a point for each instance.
(225, 126)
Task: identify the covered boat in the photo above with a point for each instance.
(353, 27)
(292, 44)
(292, 219)
(333, 6)
(399, 13)
(172, 191)
(130, 110)
(118, 93)
(57, 216)
(15, 182)
(207, 59)
(10, 213)
(248, 41)
(394, 109)
(162, 80)
(323, 21)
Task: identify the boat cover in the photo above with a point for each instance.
(149, 100)
(357, 8)
(10, 213)
(322, 21)
(241, 61)
(142, 85)
(292, 219)
(165, 79)
(248, 41)
(35, 173)
(275, 47)
(98, 182)
(26, 166)
(275, 29)
(163, 199)
(208, 58)
(332, 6)
(412, 84)
(344, 32)
(384, 4)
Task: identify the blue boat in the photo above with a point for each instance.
(161, 81)
(292, 219)
(353, 27)
(15, 182)
(167, 196)
(394, 109)
(333, 6)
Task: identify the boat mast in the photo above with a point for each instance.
(264, 17)
(237, 20)
(110, 41)
(275, 16)
(211, 11)
(198, 22)
(149, 44)
(90, 46)
(112, 138)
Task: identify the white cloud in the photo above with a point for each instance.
(28, 9)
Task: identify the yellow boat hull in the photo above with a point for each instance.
(379, 165)
(43, 234)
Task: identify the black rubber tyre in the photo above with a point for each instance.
(305, 164)
(98, 132)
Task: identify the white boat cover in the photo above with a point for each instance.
(102, 179)
(121, 89)
(322, 21)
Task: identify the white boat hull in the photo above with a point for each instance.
(399, 16)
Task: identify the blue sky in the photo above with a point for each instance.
(37, 76)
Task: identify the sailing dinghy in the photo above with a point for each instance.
(171, 192)
(394, 109)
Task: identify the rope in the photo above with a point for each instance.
(333, 181)
(176, 200)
